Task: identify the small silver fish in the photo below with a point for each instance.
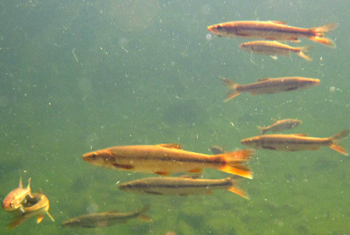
(180, 186)
(297, 142)
(109, 218)
(280, 125)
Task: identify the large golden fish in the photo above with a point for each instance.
(164, 159)
(14, 199)
(37, 206)
(273, 30)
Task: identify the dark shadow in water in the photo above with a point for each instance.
(183, 111)
(8, 166)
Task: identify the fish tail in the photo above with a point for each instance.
(325, 28)
(239, 192)
(337, 142)
(261, 130)
(319, 34)
(29, 189)
(236, 189)
(142, 212)
(233, 89)
(233, 163)
(304, 53)
(15, 222)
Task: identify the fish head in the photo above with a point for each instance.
(245, 46)
(222, 30)
(309, 83)
(251, 142)
(125, 187)
(10, 204)
(297, 122)
(99, 158)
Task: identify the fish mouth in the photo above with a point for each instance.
(243, 45)
(212, 29)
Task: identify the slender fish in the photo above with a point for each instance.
(98, 220)
(274, 49)
(37, 206)
(269, 86)
(297, 142)
(164, 159)
(181, 186)
(14, 199)
(273, 30)
(280, 125)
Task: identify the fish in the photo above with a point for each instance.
(273, 30)
(14, 199)
(280, 125)
(297, 142)
(181, 186)
(269, 86)
(105, 219)
(37, 206)
(164, 159)
(274, 49)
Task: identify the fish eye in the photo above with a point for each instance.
(94, 156)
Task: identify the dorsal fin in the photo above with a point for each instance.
(300, 134)
(278, 22)
(263, 79)
(20, 183)
(196, 176)
(171, 146)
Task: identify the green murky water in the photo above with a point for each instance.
(82, 75)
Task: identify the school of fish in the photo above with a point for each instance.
(166, 159)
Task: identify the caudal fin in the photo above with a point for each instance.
(319, 34)
(233, 163)
(325, 28)
(142, 212)
(239, 192)
(337, 142)
(304, 53)
(232, 93)
(261, 130)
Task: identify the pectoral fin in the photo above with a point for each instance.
(171, 146)
(161, 173)
(125, 167)
(53, 220)
(39, 219)
(196, 170)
